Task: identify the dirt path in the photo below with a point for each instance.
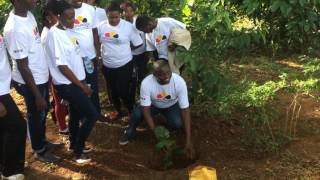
(218, 144)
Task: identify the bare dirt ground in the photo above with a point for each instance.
(218, 144)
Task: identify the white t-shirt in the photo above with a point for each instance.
(158, 38)
(23, 40)
(5, 71)
(142, 48)
(101, 15)
(85, 21)
(62, 50)
(164, 96)
(115, 43)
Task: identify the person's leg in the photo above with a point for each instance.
(12, 139)
(60, 110)
(111, 83)
(34, 117)
(124, 75)
(92, 79)
(137, 117)
(44, 90)
(142, 65)
(173, 116)
(134, 80)
(81, 104)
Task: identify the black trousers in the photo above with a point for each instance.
(12, 138)
(140, 71)
(119, 83)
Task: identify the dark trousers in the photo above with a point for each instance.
(36, 119)
(93, 80)
(83, 115)
(12, 138)
(140, 71)
(172, 114)
(119, 83)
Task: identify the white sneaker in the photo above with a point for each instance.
(14, 177)
(82, 159)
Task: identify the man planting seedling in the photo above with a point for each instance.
(166, 93)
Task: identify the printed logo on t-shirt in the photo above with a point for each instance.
(111, 35)
(160, 38)
(76, 44)
(163, 96)
(81, 23)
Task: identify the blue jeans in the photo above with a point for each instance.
(93, 80)
(82, 110)
(172, 114)
(36, 119)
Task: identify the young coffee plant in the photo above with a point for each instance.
(166, 145)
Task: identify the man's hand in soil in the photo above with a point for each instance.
(189, 151)
(3, 110)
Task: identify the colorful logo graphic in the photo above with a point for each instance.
(163, 95)
(74, 41)
(80, 19)
(160, 38)
(111, 35)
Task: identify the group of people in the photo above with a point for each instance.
(76, 42)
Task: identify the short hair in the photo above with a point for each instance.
(142, 22)
(127, 4)
(57, 7)
(114, 6)
(161, 65)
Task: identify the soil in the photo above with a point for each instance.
(218, 144)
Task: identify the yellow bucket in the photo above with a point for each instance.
(203, 173)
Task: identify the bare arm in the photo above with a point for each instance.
(187, 124)
(147, 116)
(70, 75)
(97, 46)
(189, 150)
(29, 80)
(3, 110)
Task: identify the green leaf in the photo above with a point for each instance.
(161, 133)
(275, 5)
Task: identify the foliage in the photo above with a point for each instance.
(166, 145)
(5, 7)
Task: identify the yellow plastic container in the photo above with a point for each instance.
(203, 173)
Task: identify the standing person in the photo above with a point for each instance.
(116, 36)
(166, 93)
(158, 32)
(12, 125)
(60, 110)
(101, 13)
(30, 73)
(83, 32)
(68, 76)
(139, 59)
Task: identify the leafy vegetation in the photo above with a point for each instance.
(224, 30)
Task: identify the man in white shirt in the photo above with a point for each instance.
(12, 125)
(30, 73)
(101, 14)
(166, 93)
(84, 30)
(157, 33)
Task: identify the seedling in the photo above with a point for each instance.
(166, 145)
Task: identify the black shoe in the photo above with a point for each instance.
(47, 157)
(85, 150)
(50, 146)
(124, 138)
(82, 159)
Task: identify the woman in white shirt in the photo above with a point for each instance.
(68, 75)
(117, 37)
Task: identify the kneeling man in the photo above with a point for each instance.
(166, 93)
